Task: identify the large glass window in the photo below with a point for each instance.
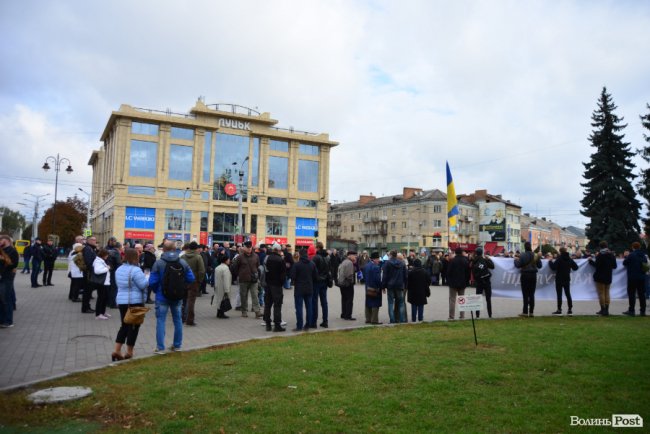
(305, 203)
(278, 145)
(144, 156)
(178, 193)
(207, 151)
(308, 149)
(174, 221)
(147, 191)
(142, 128)
(307, 175)
(204, 221)
(277, 201)
(205, 195)
(278, 172)
(226, 223)
(276, 225)
(182, 133)
(255, 175)
(253, 228)
(230, 149)
(180, 162)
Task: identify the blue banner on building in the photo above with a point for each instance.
(305, 227)
(140, 218)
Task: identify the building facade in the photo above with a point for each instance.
(414, 220)
(181, 176)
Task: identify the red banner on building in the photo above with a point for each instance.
(304, 242)
(138, 235)
(203, 238)
(468, 247)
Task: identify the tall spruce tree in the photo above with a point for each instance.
(609, 200)
(644, 182)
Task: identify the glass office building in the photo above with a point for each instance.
(154, 164)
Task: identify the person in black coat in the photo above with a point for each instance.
(304, 275)
(605, 264)
(458, 274)
(49, 257)
(418, 290)
(562, 267)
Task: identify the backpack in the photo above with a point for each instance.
(173, 281)
(481, 271)
(322, 268)
(78, 260)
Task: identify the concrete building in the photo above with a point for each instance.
(499, 222)
(540, 230)
(160, 175)
(412, 220)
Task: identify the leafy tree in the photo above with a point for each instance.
(70, 220)
(609, 199)
(27, 233)
(644, 183)
(12, 221)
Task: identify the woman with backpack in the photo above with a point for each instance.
(75, 273)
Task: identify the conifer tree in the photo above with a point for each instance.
(609, 200)
(644, 183)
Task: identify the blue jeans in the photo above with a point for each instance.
(300, 299)
(320, 291)
(399, 295)
(26, 266)
(7, 300)
(417, 312)
(287, 282)
(260, 295)
(161, 317)
(36, 268)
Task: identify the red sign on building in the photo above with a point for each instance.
(138, 235)
(468, 247)
(304, 242)
(279, 240)
(230, 189)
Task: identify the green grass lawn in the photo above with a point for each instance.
(527, 375)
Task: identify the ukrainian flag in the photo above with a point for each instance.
(452, 203)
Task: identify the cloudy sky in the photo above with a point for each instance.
(503, 90)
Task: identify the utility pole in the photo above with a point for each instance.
(87, 211)
(36, 202)
(187, 190)
(240, 225)
(57, 161)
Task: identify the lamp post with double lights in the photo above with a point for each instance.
(57, 161)
(36, 202)
(240, 225)
(88, 232)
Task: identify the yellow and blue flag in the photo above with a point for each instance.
(452, 203)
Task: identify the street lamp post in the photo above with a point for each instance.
(36, 202)
(187, 190)
(57, 167)
(240, 225)
(2, 214)
(88, 209)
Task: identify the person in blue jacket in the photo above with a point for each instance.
(634, 263)
(372, 277)
(162, 304)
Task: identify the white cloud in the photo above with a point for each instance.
(503, 90)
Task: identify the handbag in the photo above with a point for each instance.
(97, 279)
(134, 314)
(225, 304)
(372, 292)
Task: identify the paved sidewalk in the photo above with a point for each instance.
(52, 337)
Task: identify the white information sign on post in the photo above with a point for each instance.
(467, 303)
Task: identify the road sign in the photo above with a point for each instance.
(88, 232)
(230, 189)
(468, 303)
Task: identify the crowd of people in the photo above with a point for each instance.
(172, 278)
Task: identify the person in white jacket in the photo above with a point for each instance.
(222, 283)
(75, 274)
(101, 268)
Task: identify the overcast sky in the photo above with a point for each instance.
(503, 90)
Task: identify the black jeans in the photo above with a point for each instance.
(88, 292)
(485, 288)
(273, 296)
(48, 268)
(636, 288)
(75, 285)
(528, 285)
(567, 291)
(102, 299)
(128, 332)
(347, 298)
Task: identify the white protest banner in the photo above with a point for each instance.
(505, 281)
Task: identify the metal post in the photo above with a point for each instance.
(187, 189)
(88, 209)
(240, 223)
(37, 200)
(474, 327)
